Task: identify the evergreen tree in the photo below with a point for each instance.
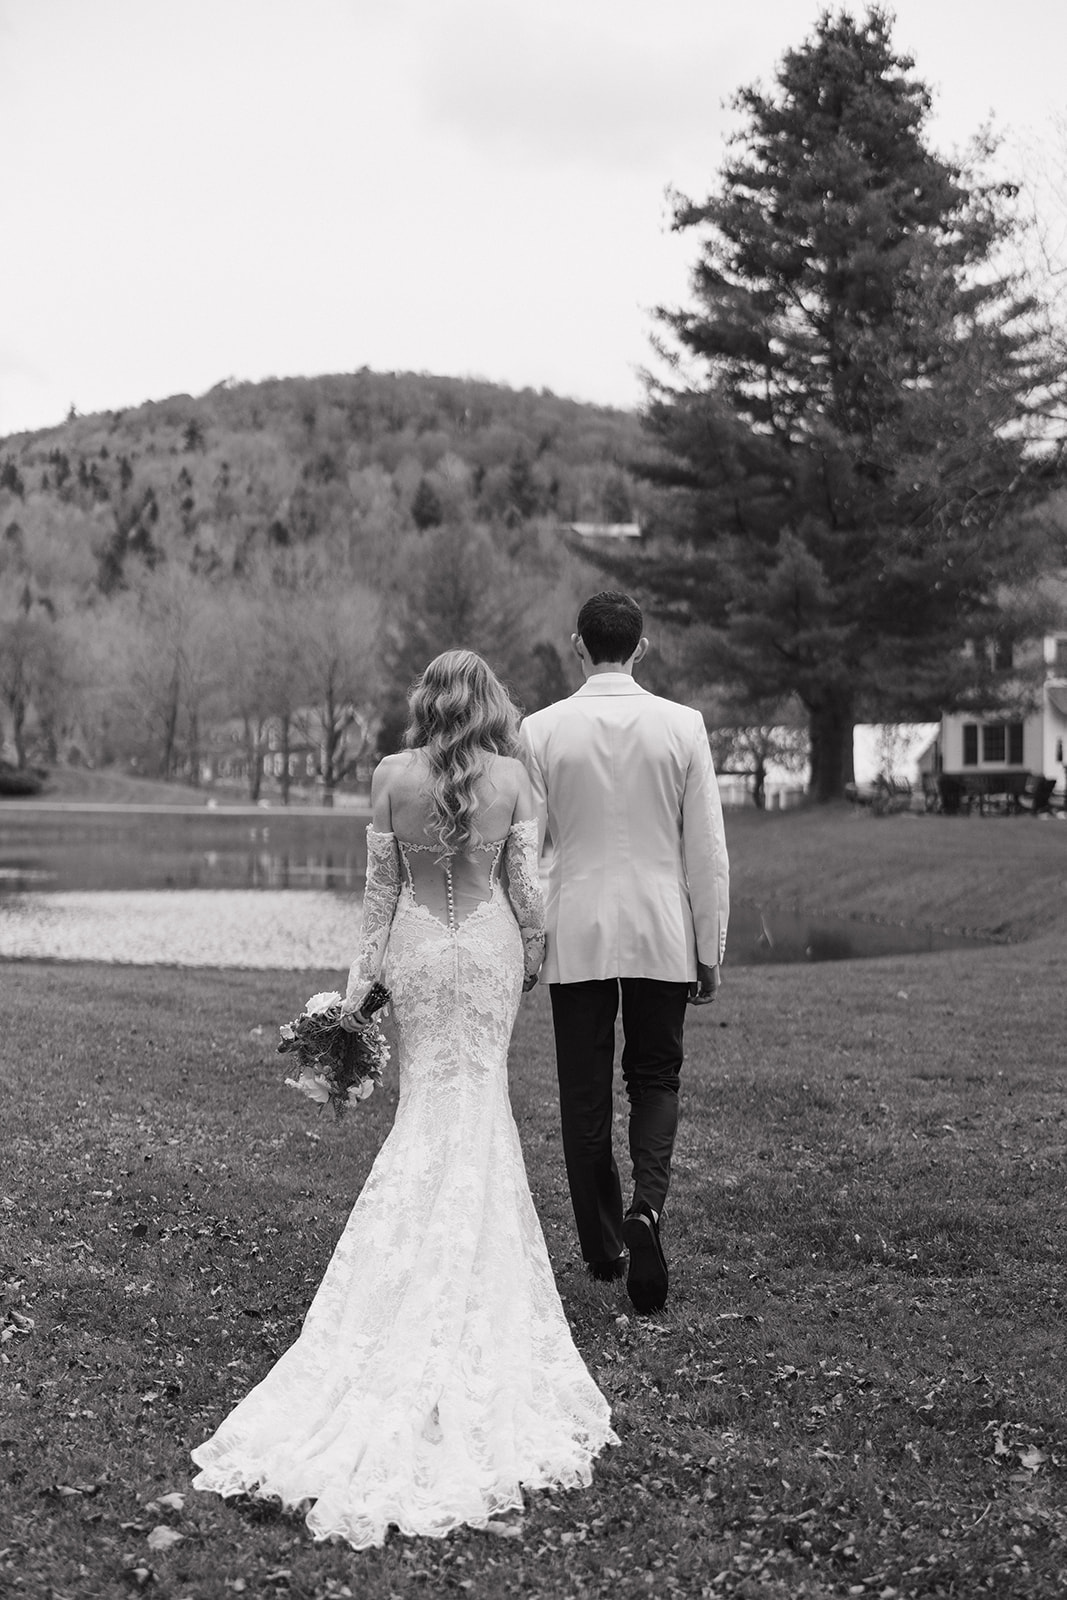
(850, 440)
(426, 508)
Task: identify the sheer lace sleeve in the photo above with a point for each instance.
(524, 891)
(379, 904)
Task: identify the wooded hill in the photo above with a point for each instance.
(208, 480)
(153, 559)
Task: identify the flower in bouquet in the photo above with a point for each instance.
(338, 1065)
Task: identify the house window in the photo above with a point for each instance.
(1003, 655)
(1059, 654)
(1002, 742)
(970, 744)
(994, 742)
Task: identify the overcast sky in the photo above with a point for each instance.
(247, 188)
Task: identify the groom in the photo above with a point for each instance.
(638, 900)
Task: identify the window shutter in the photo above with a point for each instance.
(970, 744)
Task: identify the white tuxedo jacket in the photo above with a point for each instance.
(626, 795)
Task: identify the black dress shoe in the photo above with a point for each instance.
(607, 1271)
(647, 1280)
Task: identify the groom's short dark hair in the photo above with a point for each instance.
(610, 625)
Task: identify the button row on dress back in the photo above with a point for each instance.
(450, 893)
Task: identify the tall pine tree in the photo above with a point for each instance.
(850, 442)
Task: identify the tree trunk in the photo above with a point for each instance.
(19, 707)
(194, 749)
(285, 779)
(170, 727)
(831, 729)
(49, 737)
(329, 757)
(331, 742)
(253, 743)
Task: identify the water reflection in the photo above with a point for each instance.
(211, 888)
(208, 850)
(778, 933)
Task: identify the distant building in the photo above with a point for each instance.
(1034, 742)
(605, 530)
(224, 755)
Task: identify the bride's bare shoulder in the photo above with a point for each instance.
(510, 780)
(506, 770)
(393, 774)
(390, 768)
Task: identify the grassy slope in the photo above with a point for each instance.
(111, 787)
(996, 874)
(858, 1386)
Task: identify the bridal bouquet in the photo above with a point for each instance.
(338, 1066)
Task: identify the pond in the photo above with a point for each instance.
(248, 888)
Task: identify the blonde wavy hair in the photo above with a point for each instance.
(460, 714)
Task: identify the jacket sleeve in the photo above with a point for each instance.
(538, 783)
(379, 904)
(524, 892)
(707, 866)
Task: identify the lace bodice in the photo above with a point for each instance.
(451, 886)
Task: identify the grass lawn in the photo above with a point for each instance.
(111, 786)
(858, 1386)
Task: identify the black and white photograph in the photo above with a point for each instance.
(533, 784)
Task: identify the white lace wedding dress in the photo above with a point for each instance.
(435, 1375)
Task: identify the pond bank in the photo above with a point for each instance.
(1001, 878)
(996, 877)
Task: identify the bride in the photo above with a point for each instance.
(435, 1376)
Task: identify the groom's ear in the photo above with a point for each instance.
(640, 651)
(578, 646)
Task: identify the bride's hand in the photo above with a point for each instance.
(352, 1019)
(528, 982)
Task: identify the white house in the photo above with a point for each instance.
(997, 744)
(605, 530)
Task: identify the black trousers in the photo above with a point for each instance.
(653, 1019)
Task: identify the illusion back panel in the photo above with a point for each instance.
(451, 885)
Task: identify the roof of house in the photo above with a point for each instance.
(606, 530)
(1057, 694)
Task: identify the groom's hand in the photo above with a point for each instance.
(703, 992)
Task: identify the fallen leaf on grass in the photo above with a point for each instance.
(505, 1530)
(1032, 1458)
(165, 1502)
(164, 1538)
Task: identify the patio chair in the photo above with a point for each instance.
(1037, 794)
